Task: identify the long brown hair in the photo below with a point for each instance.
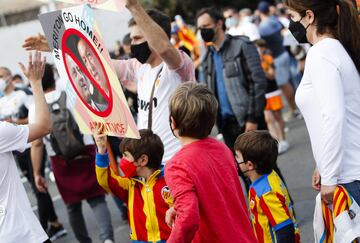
(338, 17)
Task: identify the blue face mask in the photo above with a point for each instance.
(20, 85)
(3, 85)
(231, 22)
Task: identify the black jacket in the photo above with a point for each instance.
(244, 80)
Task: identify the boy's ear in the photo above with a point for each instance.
(143, 160)
(251, 165)
(172, 123)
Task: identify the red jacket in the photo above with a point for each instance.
(208, 199)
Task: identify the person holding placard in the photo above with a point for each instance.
(154, 72)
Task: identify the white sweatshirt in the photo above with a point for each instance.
(329, 99)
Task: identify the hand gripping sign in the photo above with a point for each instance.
(112, 5)
(93, 90)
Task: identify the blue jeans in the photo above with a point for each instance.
(354, 189)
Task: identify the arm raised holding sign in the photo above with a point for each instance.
(37, 42)
(150, 34)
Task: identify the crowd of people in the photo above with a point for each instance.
(177, 183)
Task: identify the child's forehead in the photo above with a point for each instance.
(238, 153)
(128, 154)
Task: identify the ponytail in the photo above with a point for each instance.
(348, 30)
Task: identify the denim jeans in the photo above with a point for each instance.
(102, 215)
(354, 189)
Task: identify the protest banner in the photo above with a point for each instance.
(111, 5)
(93, 90)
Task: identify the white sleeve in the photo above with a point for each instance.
(329, 92)
(13, 137)
(29, 100)
(186, 70)
(31, 114)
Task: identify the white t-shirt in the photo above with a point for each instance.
(133, 71)
(246, 28)
(18, 223)
(10, 104)
(50, 98)
(329, 98)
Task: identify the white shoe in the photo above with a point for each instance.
(52, 176)
(108, 241)
(220, 137)
(283, 146)
(286, 129)
(297, 115)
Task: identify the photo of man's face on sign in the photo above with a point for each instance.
(86, 73)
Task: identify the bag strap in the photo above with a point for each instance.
(151, 99)
(62, 99)
(58, 104)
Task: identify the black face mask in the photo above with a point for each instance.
(207, 34)
(298, 31)
(141, 52)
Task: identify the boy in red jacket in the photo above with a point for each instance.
(209, 204)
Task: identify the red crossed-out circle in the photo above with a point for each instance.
(67, 51)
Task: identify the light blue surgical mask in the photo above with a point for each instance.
(231, 22)
(20, 85)
(3, 84)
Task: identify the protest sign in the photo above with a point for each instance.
(111, 5)
(93, 90)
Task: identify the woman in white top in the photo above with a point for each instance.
(18, 222)
(329, 93)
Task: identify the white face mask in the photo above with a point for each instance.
(3, 84)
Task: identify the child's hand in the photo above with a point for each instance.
(170, 217)
(100, 138)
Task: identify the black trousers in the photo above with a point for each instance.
(45, 205)
(230, 129)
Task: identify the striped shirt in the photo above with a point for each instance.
(147, 201)
(270, 208)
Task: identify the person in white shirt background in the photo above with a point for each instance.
(14, 107)
(240, 23)
(18, 223)
(232, 20)
(13, 100)
(329, 93)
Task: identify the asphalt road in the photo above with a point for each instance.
(296, 165)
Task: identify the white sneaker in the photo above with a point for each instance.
(52, 176)
(108, 241)
(297, 115)
(283, 146)
(220, 137)
(286, 129)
